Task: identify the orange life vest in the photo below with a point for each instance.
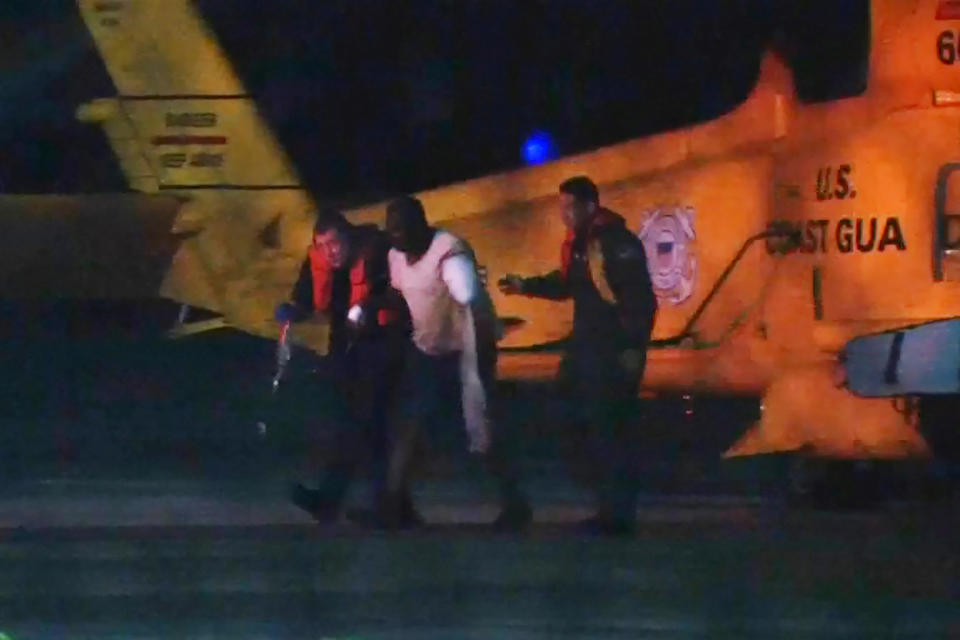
(322, 276)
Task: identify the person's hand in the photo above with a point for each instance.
(355, 317)
(510, 284)
(285, 313)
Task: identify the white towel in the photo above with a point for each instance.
(473, 393)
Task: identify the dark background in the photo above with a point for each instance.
(372, 97)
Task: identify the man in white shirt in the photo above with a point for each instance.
(450, 365)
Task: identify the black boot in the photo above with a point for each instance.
(324, 512)
(410, 518)
(515, 512)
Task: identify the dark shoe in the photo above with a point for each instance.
(310, 501)
(513, 518)
(410, 518)
(606, 526)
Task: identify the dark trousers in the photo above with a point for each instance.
(365, 381)
(603, 411)
(429, 403)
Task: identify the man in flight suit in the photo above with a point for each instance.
(603, 268)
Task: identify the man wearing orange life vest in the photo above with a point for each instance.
(603, 268)
(344, 277)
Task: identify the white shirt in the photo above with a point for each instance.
(461, 278)
(436, 287)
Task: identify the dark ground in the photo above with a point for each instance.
(138, 501)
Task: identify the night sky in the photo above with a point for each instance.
(375, 97)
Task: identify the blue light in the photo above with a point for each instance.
(538, 148)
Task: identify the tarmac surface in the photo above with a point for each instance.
(189, 559)
(138, 500)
